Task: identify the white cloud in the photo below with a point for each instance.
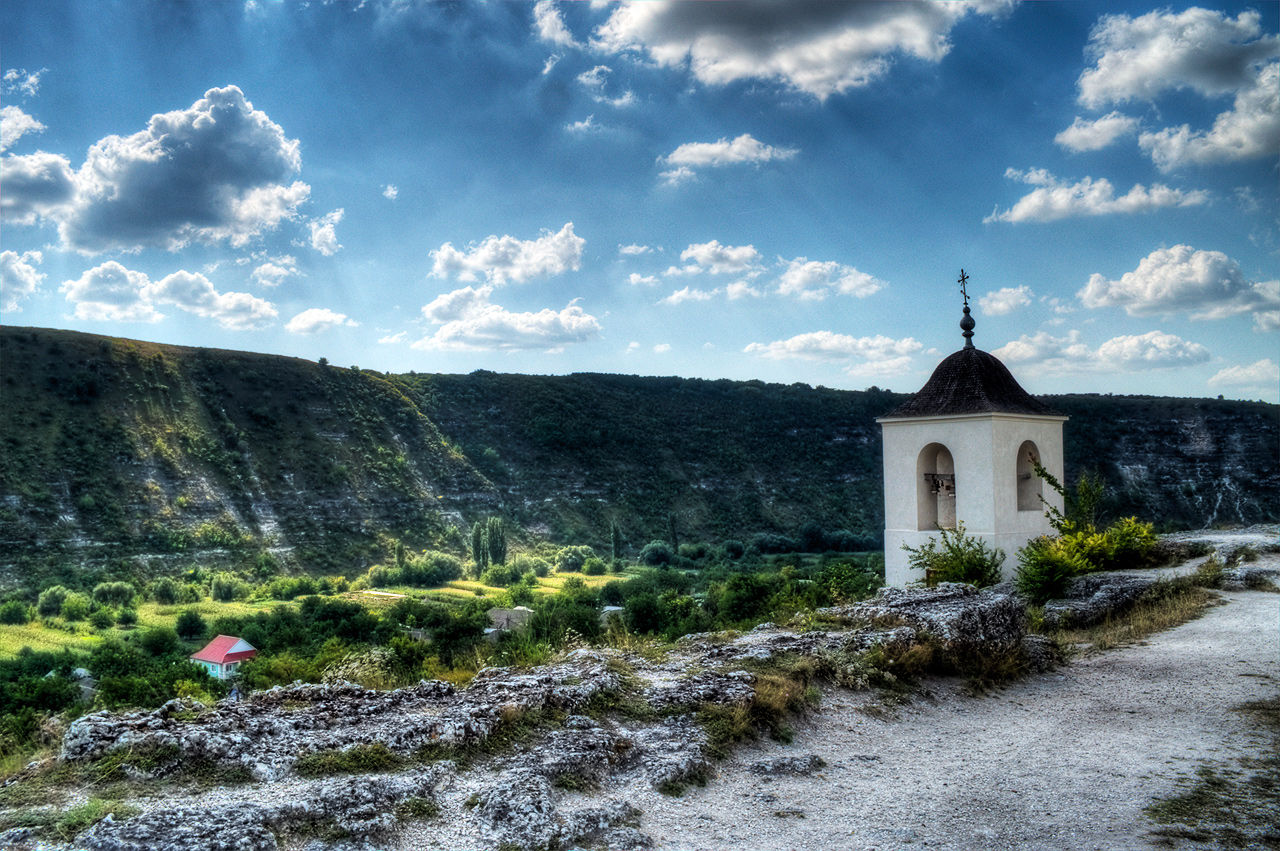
(1264, 374)
(21, 82)
(596, 77)
(470, 322)
(635, 278)
(819, 48)
(391, 192)
(741, 289)
(1204, 284)
(634, 249)
(214, 171)
(689, 294)
(816, 279)
(586, 125)
(323, 237)
(1085, 135)
(501, 259)
(827, 345)
(549, 26)
(551, 62)
(14, 124)
(677, 176)
(662, 348)
(110, 292)
(1042, 353)
(632, 346)
(316, 320)
(36, 186)
(1005, 300)
(19, 278)
(1055, 200)
(393, 339)
(717, 259)
(744, 149)
(1251, 129)
(275, 271)
(1200, 49)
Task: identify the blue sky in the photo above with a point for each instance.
(781, 191)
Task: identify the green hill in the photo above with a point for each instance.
(120, 451)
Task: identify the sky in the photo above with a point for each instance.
(767, 190)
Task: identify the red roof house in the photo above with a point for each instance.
(222, 656)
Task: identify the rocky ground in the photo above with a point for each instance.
(1066, 758)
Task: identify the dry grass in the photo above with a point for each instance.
(1172, 604)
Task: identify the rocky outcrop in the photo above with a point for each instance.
(520, 811)
(1090, 598)
(961, 617)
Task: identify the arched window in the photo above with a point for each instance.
(1030, 486)
(935, 488)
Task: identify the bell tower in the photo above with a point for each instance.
(962, 450)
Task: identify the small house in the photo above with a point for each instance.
(222, 656)
(507, 620)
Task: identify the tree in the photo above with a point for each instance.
(672, 538)
(50, 601)
(164, 591)
(191, 625)
(615, 538)
(479, 547)
(496, 538)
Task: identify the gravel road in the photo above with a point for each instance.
(1066, 760)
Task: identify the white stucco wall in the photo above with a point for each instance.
(984, 450)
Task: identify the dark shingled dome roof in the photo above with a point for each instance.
(971, 381)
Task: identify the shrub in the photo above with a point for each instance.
(571, 559)
(102, 619)
(594, 567)
(694, 552)
(127, 617)
(734, 549)
(957, 557)
(225, 587)
(771, 542)
(525, 563)
(114, 593)
(50, 601)
(500, 575)
(76, 607)
(164, 591)
(160, 641)
(15, 612)
(190, 625)
(656, 553)
(1045, 566)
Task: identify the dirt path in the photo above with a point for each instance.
(1065, 761)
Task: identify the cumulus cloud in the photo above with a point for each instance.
(1005, 300)
(744, 149)
(323, 237)
(1055, 199)
(635, 278)
(1249, 130)
(1204, 284)
(19, 278)
(878, 355)
(678, 176)
(586, 125)
(503, 259)
(21, 82)
(1264, 374)
(14, 124)
(391, 192)
(1042, 353)
(393, 339)
(819, 48)
(111, 292)
(741, 289)
(549, 26)
(634, 249)
(469, 321)
(662, 348)
(815, 280)
(717, 259)
(36, 186)
(214, 171)
(316, 320)
(1086, 135)
(1199, 49)
(690, 294)
(275, 271)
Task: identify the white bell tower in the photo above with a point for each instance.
(961, 451)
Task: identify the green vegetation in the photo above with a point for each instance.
(956, 557)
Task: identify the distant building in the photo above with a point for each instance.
(222, 656)
(507, 620)
(962, 450)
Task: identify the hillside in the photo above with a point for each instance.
(118, 449)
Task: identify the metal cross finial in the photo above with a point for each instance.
(963, 280)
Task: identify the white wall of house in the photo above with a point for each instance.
(981, 451)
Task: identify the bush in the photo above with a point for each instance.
(501, 575)
(164, 591)
(50, 601)
(127, 617)
(191, 625)
(15, 612)
(771, 542)
(1045, 566)
(76, 607)
(525, 563)
(571, 559)
(160, 641)
(957, 557)
(656, 553)
(734, 549)
(114, 593)
(102, 619)
(225, 587)
(594, 567)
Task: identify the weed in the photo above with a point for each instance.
(360, 759)
(1166, 605)
(417, 808)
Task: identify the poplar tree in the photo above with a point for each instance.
(479, 547)
(615, 536)
(496, 534)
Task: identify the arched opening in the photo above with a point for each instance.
(935, 488)
(1030, 486)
